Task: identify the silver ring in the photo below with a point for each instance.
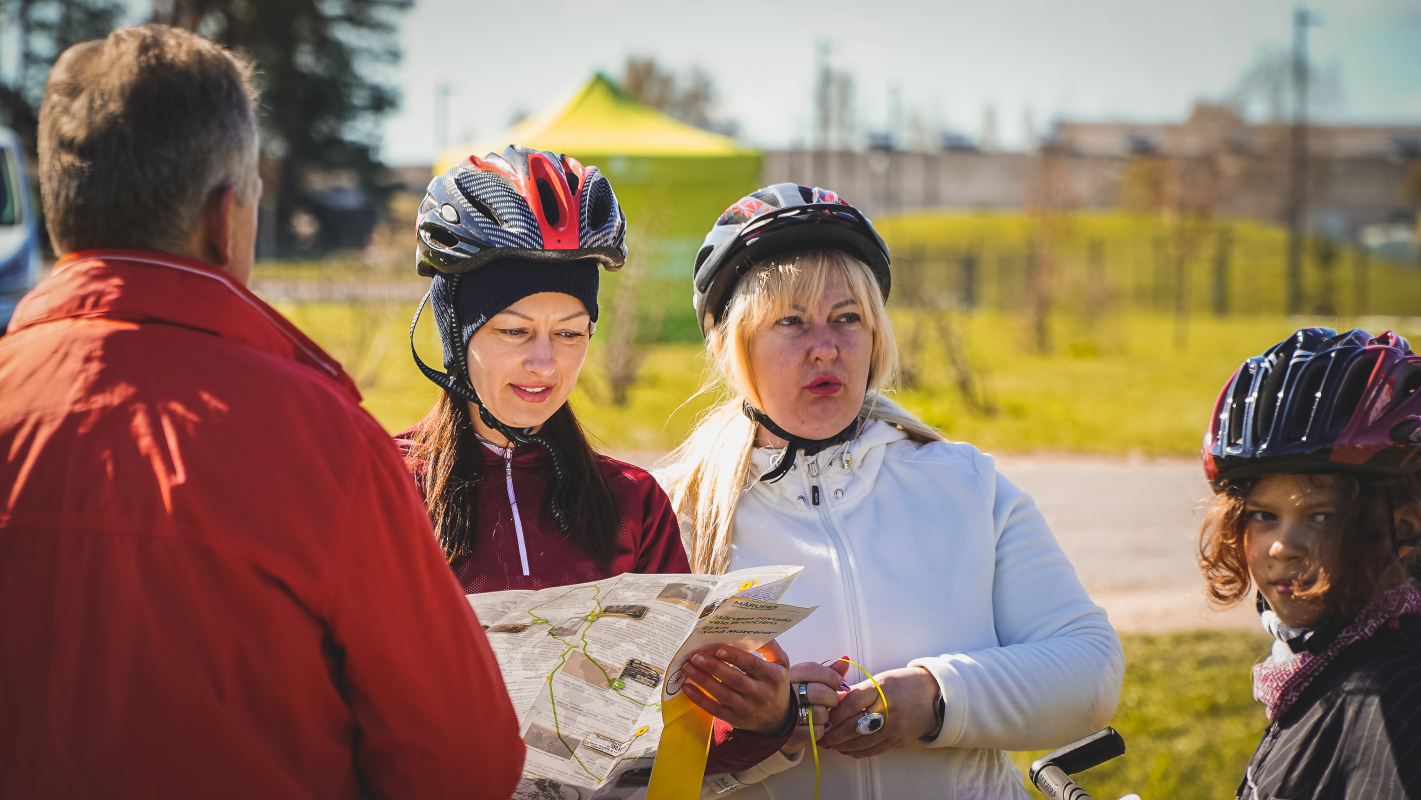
(802, 691)
(869, 724)
(803, 715)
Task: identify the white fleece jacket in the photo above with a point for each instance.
(923, 555)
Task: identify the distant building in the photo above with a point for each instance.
(1358, 176)
(1211, 127)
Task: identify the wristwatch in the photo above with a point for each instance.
(939, 709)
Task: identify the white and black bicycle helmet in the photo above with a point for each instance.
(777, 218)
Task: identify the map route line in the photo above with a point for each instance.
(615, 684)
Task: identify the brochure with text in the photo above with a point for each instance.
(588, 666)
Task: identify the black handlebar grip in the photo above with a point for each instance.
(1082, 754)
(1056, 784)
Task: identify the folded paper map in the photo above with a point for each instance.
(588, 666)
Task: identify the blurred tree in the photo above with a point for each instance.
(41, 30)
(690, 98)
(1052, 200)
(320, 65)
(1186, 193)
(1264, 89)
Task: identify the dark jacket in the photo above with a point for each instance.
(216, 580)
(1355, 732)
(648, 542)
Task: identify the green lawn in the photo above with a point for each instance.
(1125, 369)
(1118, 385)
(1187, 715)
(1140, 262)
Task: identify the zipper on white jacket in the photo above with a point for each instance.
(513, 502)
(851, 599)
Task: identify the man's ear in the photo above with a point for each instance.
(216, 235)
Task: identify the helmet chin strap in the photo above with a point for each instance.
(1314, 639)
(464, 390)
(796, 443)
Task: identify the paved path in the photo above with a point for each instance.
(1129, 526)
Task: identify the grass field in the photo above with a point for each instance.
(1127, 368)
(1117, 385)
(1187, 715)
(1141, 263)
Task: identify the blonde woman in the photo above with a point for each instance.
(929, 568)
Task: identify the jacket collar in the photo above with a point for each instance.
(141, 286)
(524, 456)
(856, 462)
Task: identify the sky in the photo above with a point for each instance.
(1042, 59)
(1046, 59)
(949, 61)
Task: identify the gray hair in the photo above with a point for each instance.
(135, 133)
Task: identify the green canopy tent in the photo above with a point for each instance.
(672, 179)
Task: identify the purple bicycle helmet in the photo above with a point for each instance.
(773, 219)
(1319, 401)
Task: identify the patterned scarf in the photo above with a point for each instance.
(1280, 679)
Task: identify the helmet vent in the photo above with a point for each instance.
(769, 198)
(601, 212)
(1408, 387)
(807, 194)
(1354, 383)
(471, 195)
(440, 237)
(1238, 407)
(1304, 400)
(705, 253)
(549, 201)
(571, 181)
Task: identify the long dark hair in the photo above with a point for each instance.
(446, 444)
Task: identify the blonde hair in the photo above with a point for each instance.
(707, 473)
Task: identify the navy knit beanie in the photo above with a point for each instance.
(486, 291)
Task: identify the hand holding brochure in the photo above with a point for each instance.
(587, 665)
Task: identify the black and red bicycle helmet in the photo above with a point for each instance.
(1319, 401)
(523, 204)
(774, 219)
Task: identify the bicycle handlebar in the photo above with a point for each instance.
(1051, 774)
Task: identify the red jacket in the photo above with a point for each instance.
(648, 542)
(215, 577)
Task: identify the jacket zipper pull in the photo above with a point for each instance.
(513, 504)
(814, 494)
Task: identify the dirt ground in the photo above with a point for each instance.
(1129, 525)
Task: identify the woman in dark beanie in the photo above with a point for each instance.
(518, 497)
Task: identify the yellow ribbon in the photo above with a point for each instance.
(814, 745)
(685, 743)
(681, 757)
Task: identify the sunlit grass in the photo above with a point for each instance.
(1118, 385)
(1187, 715)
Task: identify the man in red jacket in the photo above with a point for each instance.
(216, 577)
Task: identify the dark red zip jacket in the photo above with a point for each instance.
(649, 542)
(215, 578)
